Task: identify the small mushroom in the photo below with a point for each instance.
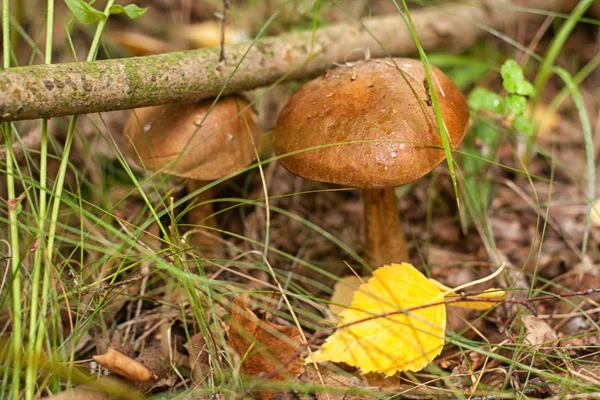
(186, 140)
(371, 126)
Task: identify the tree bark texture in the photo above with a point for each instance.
(87, 87)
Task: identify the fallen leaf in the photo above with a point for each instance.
(199, 358)
(378, 334)
(139, 44)
(335, 386)
(266, 349)
(76, 375)
(80, 393)
(343, 290)
(538, 333)
(541, 337)
(157, 362)
(15, 204)
(208, 34)
(124, 366)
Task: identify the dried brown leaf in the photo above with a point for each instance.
(538, 333)
(80, 393)
(124, 366)
(199, 358)
(343, 291)
(343, 386)
(159, 367)
(267, 349)
(139, 44)
(208, 34)
(13, 204)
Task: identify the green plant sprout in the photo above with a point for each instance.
(87, 14)
(512, 106)
(481, 144)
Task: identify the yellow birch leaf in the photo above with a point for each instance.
(372, 339)
(343, 291)
(489, 294)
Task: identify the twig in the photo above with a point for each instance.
(88, 87)
(226, 6)
(473, 298)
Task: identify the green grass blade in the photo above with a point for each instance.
(557, 45)
(436, 106)
(589, 150)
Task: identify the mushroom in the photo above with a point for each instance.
(192, 141)
(371, 126)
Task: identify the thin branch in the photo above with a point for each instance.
(89, 87)
(466, 297)
(226, 6)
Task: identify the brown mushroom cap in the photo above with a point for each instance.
(371, 101)
(175, 137)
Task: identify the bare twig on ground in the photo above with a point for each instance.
(88, 87)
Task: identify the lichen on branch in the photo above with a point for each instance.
(88, 87)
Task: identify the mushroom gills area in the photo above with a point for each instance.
(386, 243)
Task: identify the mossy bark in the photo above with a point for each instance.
(87, 87)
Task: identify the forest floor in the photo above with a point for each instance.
(128, 277)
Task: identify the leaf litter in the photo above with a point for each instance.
(266, 350)
(552, 335)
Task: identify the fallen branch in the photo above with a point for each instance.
(88, 87)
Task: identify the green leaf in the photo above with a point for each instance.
(513, 80)
(484, 99)
(511, 71)
(522, 87)
(516, 103)
(131, 10)
(84, 12)
(495, 103)
(523, 125)
(476, 98)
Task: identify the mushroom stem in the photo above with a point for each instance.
(200, 215)
(386, 243)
